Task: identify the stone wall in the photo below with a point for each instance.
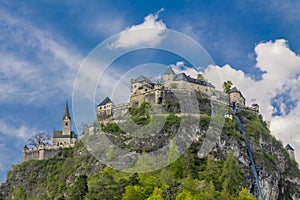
(40, 153)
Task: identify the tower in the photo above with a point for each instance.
(290, 151)
(66, 122)
(169, 76)
(235, 96)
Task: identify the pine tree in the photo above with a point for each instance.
(21, 194)
(232, 180)
(79, 189)
(134, 193)
(245, 195)
(157, 194)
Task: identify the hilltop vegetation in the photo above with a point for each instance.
(224, 174)
(74, 174)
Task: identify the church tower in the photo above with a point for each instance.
(66, 122)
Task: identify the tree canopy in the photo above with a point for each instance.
(227, 86)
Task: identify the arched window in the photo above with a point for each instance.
(66, 124)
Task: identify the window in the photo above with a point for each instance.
(66, 124)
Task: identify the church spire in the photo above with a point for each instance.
(67, 113)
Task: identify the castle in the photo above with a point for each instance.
(142, 89)
(61, 139)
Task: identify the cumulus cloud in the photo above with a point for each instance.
(281, 69)
(147, 33)
(33, 70)
(21, 132)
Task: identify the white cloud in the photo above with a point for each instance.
(147, 33)
(22, 132)
(180, 67)
(34, 64)
(281, 68)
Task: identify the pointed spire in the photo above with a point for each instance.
(169, 70)
(67, 113)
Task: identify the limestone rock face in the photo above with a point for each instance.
(279, 175)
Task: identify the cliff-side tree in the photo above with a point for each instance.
(200, 77)
(39, 139)
(21, 194)
(227, 86)
(232, 180)
(79, 189)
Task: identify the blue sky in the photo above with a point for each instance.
(43, 43)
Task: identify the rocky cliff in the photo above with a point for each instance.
(225, 173)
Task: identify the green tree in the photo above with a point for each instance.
(21, 194)
(79, 188)
(167, 177)
(1, 196)
(231, 177)
(227, 86)
(200, 77)
(148, 182)
(134, 193)
(173, 153)
(245, 195)
(212, 172)
(184, 195)
(157, 194)
(103, 186)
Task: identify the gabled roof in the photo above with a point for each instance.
(158, 81)
(169, 70)
(233, 90)
(58, 134)
(105, 101)
(289, 147)
(184, 77)
(142, 78)
(67, 113)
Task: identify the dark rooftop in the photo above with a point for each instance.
(289, 147)
(142, 78)
(58, 134)
(233, 90)
(183, 76)
(105, 101)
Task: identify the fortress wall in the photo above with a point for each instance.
(40, 153)
(30, 155)
(50, 153)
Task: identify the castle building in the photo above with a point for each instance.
(155, 91)
(255, 108)
(182, 81)
(290, 151)
(143, 89)
(235, 96)
(104, 109)
(61, 139)
(65, 136)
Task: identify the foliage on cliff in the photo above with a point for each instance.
(75, 174)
